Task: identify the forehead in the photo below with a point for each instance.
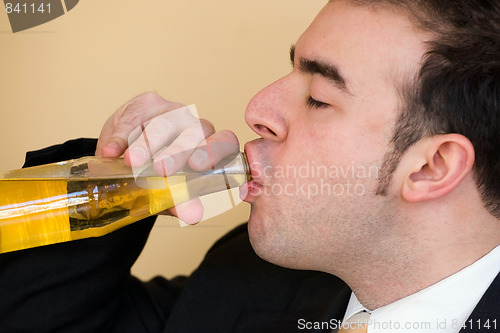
(367, 43)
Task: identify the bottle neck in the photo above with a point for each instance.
(246, 166)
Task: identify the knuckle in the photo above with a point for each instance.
(170, 105)
(150, 98)
(208, 127)
(134, 113)
(207, 124)
(183, 115)
(137, 109)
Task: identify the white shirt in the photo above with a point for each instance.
(441, 308)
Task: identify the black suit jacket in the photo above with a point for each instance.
(86, 286)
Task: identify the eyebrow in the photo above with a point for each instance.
(329, 71)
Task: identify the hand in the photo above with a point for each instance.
(150, 127)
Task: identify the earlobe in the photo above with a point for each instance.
(444, 162)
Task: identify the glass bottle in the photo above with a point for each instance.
(91, 196)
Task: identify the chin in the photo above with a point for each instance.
(267, 242)
(260, 237)
(255, 232)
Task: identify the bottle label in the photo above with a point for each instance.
(33, 213)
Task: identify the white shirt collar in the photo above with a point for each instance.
(441, 308)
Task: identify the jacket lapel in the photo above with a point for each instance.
(486, 315)
(319, 302)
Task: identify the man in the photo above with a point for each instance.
(409, 87)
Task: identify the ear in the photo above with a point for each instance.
(443, 162)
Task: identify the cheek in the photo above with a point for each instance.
(326, 170)
(314, 136)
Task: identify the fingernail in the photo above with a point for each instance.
(199, 157)
(137, 155)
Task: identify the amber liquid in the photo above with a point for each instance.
(40, 212)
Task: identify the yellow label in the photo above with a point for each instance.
(33, 213)
(160, 196)
(39, 212)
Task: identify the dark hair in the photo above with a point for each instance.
(457, 89)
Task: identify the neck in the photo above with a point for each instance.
(396, 266)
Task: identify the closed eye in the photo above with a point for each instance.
(311, 102)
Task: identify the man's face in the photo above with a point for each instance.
(325, 129)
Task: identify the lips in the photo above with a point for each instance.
(252, 188)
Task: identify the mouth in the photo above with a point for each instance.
(253, 188)
(250, 191)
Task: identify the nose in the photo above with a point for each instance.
(266, 112)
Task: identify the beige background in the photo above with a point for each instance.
(63, 79)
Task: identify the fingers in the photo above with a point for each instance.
(215, 148)
(160, 132)
(190, 212)
(149, 127)
(174, 157)
(114, 137)
(103, 148)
